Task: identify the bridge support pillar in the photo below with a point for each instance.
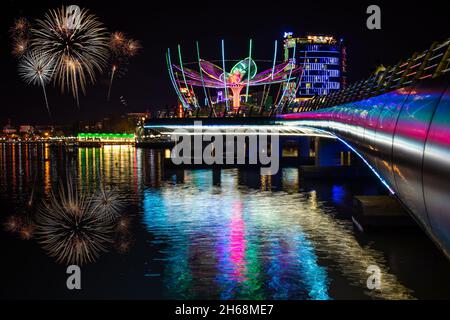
(331, 152)
(298, 147)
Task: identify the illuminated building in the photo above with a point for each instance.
(25, 128)
(323, 59)
(106, 137)
(136, 116)
(8, 129)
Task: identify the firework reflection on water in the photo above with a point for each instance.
(76, 227)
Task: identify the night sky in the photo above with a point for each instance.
(406, 28)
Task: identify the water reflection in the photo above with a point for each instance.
(228, 234)
(249, 244)
(74, 227)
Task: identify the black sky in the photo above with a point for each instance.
(406, 28)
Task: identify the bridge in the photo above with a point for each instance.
(397, 121)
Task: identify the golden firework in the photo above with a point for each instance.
(77, 42)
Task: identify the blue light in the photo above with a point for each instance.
(359, 155)
(367, 163)
(338, 194)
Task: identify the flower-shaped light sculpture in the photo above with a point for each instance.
(243, 74)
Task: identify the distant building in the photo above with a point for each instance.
(25, 128)
(138, 117)
(324, 62)
(44, 128)
(106, 137)
(9, 129)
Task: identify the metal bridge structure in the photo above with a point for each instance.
(397, 121)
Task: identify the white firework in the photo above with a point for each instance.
(37, 68)
(71, 229)
(78, 43)
(107, 203)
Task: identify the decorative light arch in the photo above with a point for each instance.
(243, 74)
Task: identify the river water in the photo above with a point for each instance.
(208, 234)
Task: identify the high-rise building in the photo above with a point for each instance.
(324, 63)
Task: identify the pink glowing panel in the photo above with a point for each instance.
(211, 70)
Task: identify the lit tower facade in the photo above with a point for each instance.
(324, 63)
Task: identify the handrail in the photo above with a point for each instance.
(432, 62)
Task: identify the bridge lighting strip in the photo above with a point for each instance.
(362, 158)
(303, 131)
(367, 163)
(225, 133)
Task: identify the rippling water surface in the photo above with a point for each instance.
(227, 234)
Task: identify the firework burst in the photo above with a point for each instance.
(107, 203)
(116, 41)
(123, 225)
(20, 225)
(37, 68)
(20, 28)
(76, 227)
(20, 47)
(71, 229)
(20, 36)
(78, 45)
(132, 47)
(123, 245)
(75, 44)
(13, 224)
(122, 49)
(26, 232)
(123, 239)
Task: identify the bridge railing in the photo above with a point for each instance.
(431, 63)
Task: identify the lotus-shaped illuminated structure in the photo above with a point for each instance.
(242, 75)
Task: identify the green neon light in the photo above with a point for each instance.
(182, 69)
(249, 68)
(224, 75)
(274, 57)
(172, 78)
(289, 77)
(106, 136)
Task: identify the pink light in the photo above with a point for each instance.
(237, 243)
